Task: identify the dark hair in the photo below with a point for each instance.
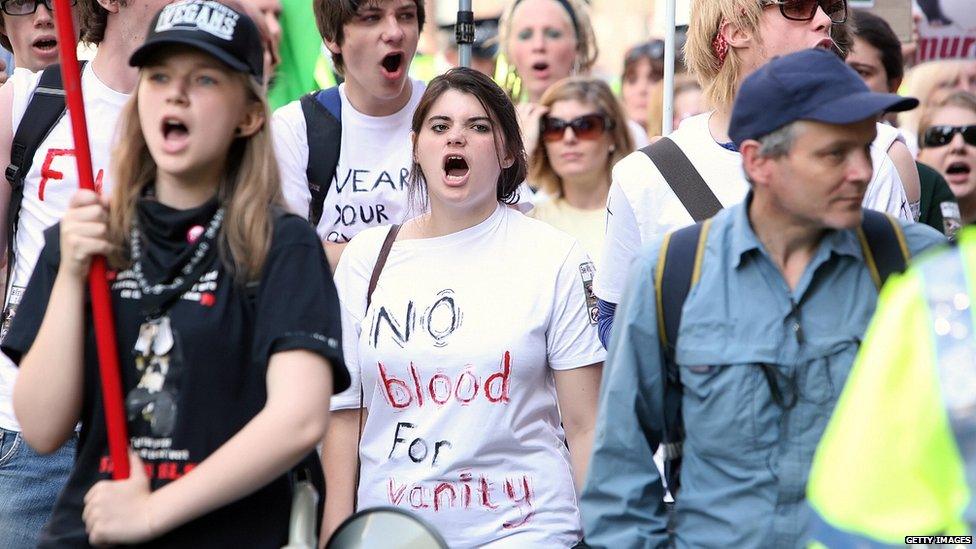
(4, 41)
(653, 51)
(92, 18)
(501, 111)
(877, 32)
(332, 15)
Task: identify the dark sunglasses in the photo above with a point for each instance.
(940, 136)
(805, 10)
(27, 7)
(588, 127)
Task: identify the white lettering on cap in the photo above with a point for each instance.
(207, 16)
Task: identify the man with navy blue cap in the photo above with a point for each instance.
(735, 336)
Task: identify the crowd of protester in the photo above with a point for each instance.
(496, 296)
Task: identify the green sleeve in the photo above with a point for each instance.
(887, 465)
(300, 48)
(935, 190)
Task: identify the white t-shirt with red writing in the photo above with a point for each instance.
(456, 355)
(48, 187)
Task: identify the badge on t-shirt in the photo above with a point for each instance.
(587, 272)
(951, 219)
(16, 294)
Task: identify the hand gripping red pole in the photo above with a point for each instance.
(108, 357)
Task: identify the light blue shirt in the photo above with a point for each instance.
(746, 459)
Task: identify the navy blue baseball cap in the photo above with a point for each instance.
(210, 26)
(812, 84)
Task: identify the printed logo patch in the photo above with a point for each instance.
(587, 271)
(211, 17)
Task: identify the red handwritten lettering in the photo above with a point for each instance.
(416, 384)
(441, 489)
(402, 392)
(418, 503)
(50, 174)
(504, 377)
(472, 384)
(395, 493)
(445, 382)
(396, 389)
(525, 500)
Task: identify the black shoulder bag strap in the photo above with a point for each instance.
(373, 279)
(45, 108)
(883, 245)
(678, 269)
(323, 128)
(683, 179)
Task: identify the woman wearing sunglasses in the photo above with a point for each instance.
(947, 142)
(583, 135)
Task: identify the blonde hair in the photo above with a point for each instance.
(719, 80)
(960, 99)
(250, 192)
(922, 82)
(586, 48)
(585, 90)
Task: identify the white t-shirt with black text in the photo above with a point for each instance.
(457, 355)
(370, 184)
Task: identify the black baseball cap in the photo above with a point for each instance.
(812, 84)
(212, 27)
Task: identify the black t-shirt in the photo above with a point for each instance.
(184, 405)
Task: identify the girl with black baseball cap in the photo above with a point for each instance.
(227, 360)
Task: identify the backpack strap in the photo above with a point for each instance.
(323, 128)
(45, 109)
(694, 194)
(883, 245)
(678, 270)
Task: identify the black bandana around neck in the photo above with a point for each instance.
(172, 248)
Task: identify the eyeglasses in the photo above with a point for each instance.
(27, 7)
(805, 10)
(940, 136)
(587, 127)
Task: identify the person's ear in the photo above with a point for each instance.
(111, 6)
(252, 121)
(508, 161)
(734, 35)
(759, 169)
(333, 46)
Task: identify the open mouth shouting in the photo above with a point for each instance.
(393, 65)
(45, 45)
(958, 172)
(176, 134)
(540, 69)
(455, 169)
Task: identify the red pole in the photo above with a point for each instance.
(108, 357)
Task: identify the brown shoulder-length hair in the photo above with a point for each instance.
(505, 125)
(250, 192)
(594, 92)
